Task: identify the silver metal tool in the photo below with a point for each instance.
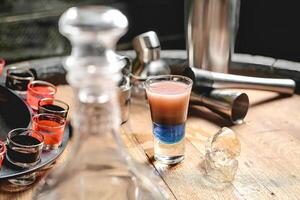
(148, 62)
(229, 104)
(210, 31)
(220, 80)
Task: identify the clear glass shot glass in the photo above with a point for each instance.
(24, 147)
(38, 90)
(2, 152)
(52, 127)
(17, 79)
(168, 97)
(53, 106)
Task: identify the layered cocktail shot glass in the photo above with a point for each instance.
(168, 97)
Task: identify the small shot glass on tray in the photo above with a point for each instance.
(38, 90)
(17, 79)
(53, 106)
(51, 127)
(2, 152)
(24, 147)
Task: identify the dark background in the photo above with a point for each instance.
(270, 28)
(28, 28)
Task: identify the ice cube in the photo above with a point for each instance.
(222, 149)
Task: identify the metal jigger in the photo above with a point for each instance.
(229, 104)
(208, 90)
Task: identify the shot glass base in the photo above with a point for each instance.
(169, 153)
(49, 147)
(169, 160)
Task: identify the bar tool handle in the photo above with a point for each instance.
(221, 81)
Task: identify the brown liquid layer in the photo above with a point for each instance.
(168, 102)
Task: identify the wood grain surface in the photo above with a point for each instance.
(269, 164)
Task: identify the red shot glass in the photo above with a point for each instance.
(37, 90)
(2, 65)
(51, 127)
(2, 152)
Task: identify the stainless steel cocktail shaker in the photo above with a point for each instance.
(210, 32)
(147, 62)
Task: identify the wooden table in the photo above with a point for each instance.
(269, 164)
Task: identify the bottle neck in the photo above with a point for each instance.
(88, 49)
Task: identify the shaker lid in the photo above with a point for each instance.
(147, 46)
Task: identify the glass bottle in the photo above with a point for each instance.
(98, 167)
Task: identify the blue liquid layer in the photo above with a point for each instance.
(169, 134)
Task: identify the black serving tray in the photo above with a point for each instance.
(15, 113)
(8, 171)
